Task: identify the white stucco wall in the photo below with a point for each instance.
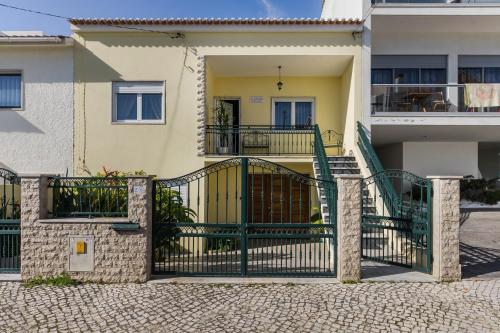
(39, 138)
(391, 156)
(342, 9)
(441, 158)
(489, 163)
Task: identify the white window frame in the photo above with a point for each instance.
(293, 100)
(16, 72)
(139, 88)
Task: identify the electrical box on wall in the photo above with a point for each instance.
(81, 253)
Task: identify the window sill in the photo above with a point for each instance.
(138, 122)
(11, 109)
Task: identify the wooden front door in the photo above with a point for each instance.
(277, 199)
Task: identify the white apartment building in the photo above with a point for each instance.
(424, 64)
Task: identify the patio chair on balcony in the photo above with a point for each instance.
(438, 102)
(400, 102)
(256, 140)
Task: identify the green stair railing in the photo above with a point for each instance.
(330, 187)
(385, 186)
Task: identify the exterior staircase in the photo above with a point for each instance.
(342, 165)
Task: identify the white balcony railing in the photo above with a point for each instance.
(429, 98)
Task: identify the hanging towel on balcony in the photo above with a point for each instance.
(482, 95)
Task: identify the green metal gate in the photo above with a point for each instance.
(396, 221)
(10, 229)
(244, 216)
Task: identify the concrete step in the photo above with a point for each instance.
(379, 237)
(342, 172)
(346, 171)
(341, 158)
(337, 162)
(334, 167)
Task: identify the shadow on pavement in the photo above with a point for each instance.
(479, 261)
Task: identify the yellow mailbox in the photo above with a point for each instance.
(81, 247)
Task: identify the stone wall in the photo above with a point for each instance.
(119, 256)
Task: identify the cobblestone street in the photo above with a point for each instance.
(368, 307)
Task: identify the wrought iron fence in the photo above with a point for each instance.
(243, 216)
(261, 140)
(88, 197)
(399, 230)
(10, 229)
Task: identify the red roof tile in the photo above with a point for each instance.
(212, 21)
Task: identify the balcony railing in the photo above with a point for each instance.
(428, 98)
(259, 140)
(434, 1)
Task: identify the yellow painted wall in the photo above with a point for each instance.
(325, 91)
(350, 84)
(169, 149)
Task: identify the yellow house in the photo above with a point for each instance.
(184, 67)
(186, 99)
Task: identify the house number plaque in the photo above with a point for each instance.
(256, 99)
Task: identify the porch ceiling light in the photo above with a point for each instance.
(279, 84)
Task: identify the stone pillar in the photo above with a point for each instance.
(349, 228)
(34, 203)
(446, 228)
(140, 210)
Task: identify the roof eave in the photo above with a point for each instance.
(52, 40)
(216, 28)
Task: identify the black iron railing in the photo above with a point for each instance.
(259, 140)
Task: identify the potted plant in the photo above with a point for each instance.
(222, 123)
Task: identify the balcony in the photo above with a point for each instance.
(267, 140)
(423, 99)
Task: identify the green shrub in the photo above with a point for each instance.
(480, 190)
(169, 210)
(60, 280)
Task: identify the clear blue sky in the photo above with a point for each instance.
(14, 20)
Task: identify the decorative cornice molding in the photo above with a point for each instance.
(202, 104)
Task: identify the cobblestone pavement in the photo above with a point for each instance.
(470, 306)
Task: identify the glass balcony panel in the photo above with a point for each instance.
(410, 98)
(423, 98)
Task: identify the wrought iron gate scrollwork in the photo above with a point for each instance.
(244, 216)
(396, 220)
